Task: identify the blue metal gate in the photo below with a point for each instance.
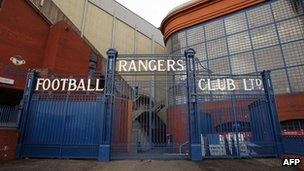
(145, 130)
(59, 124)
(189, 113)
(239, 123)
(64, 126)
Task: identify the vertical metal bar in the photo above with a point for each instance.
(64, 123)
(194, 127)
(150, 115)
(109, 95)
(236, 130)
(275, 124)
(25, 105)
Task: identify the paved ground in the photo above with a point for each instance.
(145, 165)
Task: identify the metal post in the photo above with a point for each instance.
(193, 116)
(269, 95)
(24, 112)
(150, 116)
(109, 98)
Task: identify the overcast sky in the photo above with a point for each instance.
(153, 11)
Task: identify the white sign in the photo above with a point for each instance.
(150, 65)
(65, 84)
(7, 81)
(230, 84)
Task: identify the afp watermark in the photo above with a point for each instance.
(291, 162)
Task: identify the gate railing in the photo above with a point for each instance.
(196, 115)
(8, 116)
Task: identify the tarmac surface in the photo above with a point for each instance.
(144, 165)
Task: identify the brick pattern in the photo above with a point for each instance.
(8, 143)
(53, 48)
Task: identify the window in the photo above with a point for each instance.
(293, 53)
(219, 66)
(291, 30)
(195, 35)
(239, 43)
(280, 82)
(296, 78)
(296, 6)
(236, 23)
(259, 16)
(293, 125)
(92, 64)
(217, 48)
(269, 58)
(242, 63)
(200, 51)
(264, 36)
(283, 9)
(214, 30)
(178, 41)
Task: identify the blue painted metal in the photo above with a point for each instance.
(274, 119)
(194, 119)
(60, 125)
(294, 144)
(65, 126)
(109, 97)
(262, 129)
(25, 105)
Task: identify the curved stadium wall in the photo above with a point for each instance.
(265, 36)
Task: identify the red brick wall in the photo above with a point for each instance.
(66, 51)
(8, 143)
(22, 32)
(177, 123)
(122, 125)
(58, 48)
(290, 106)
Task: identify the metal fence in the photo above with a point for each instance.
(9, 116)
(144, 130)
(151, 115)
(294, 144)
(60, 124)
(236, 123)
